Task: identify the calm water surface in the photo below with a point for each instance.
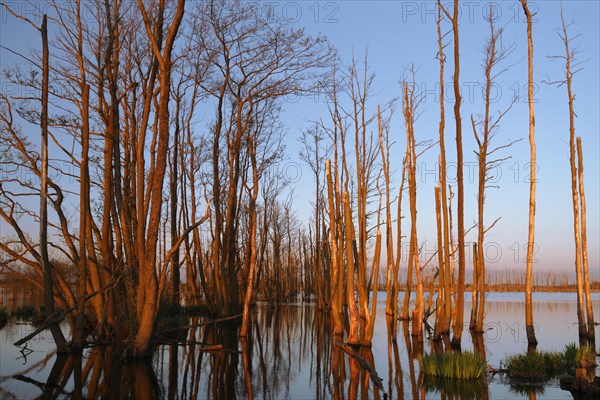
(290, 355)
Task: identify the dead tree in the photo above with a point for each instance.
(584, 304)
(443, 314)
(460, 288)
(409, 106)
(531, 340)
(484, 131)
(44, 260)
(584, 256)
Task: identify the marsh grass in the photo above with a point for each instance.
(465, 365)
(585, 357)
(540, 365)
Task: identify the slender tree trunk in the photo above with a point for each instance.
(252, 238)
(584, 256)
(413, 257)
(175, 279)
(409, 270)
(574, 190)
(444, 246)
(350, 244)
(84, 218)
(390, 305)
(474, 288)
(531, 340)
(439, 309)
(57, 335)
(317, 262)
(460, 293)
(336, 266)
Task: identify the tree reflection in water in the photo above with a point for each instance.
(97, 375)
(289, 353)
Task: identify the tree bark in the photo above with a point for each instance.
(584, 256)
(57, 335)
(531, 339)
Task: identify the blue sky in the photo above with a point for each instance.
(400, 33)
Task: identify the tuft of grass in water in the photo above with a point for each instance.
(579, 357)
(539, 365)
(3, 317)
(585, 357)
(529, 365)
(466, 365)
(570, 354)
(554, 362)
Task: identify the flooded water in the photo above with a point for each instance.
(290, 355)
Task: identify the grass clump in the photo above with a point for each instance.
(526, 366)
(466, 365)
(539, 365)
(580, 357)
(535, 365)
(570, 354)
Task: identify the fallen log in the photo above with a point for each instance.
(364, 364)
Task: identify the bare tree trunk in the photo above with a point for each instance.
(460, 290)
(336, 265)
(531, 340)
(384, 146)
(175, 279)
(474, 288)
(409, 270)
(574, 191)
(57, 335)
(584, 257)
(444, 246)
(84, 219)
(148, 278)
(350, 244)
(85, 214)
(440, 306)
(409, 106)
(252, 237)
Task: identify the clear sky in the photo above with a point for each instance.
(400, 33)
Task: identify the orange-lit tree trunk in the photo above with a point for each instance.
(531, 339)
(444, 245)
(148, 279)
(574, 189)
(351, 263)
(337, 267)
(57, 335)
(460, 289)
(409, 105)
(584, 256)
